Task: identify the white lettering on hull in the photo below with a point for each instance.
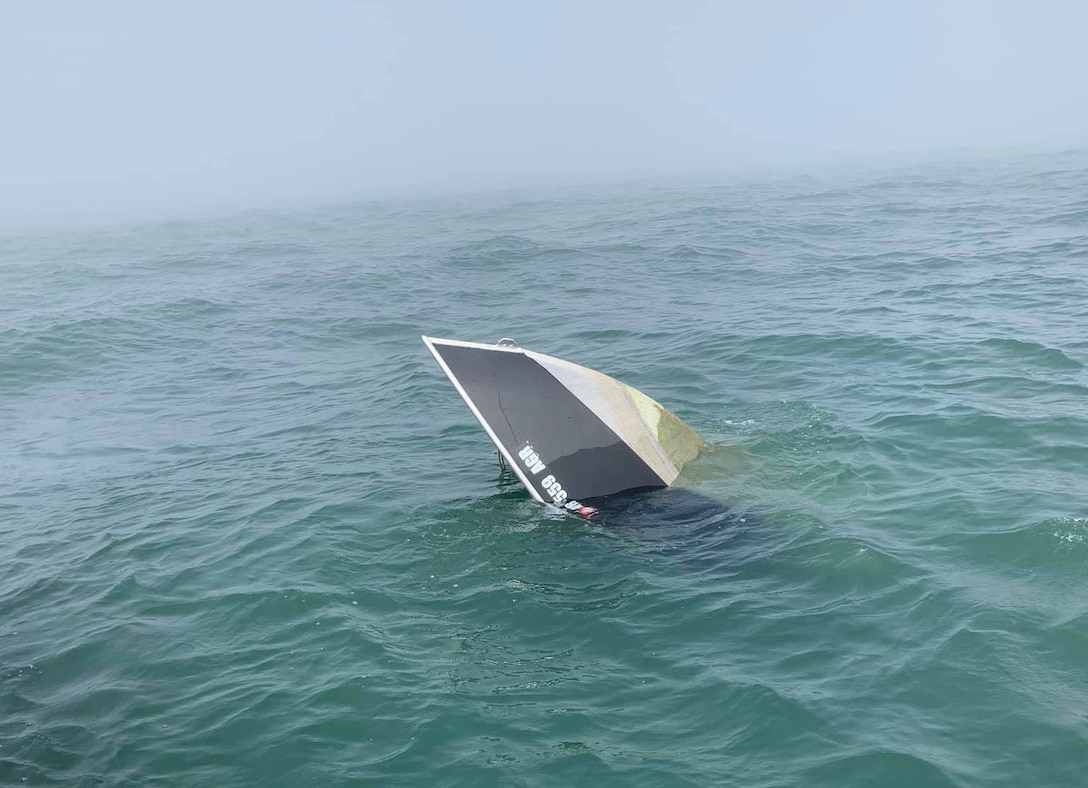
(531, 459)
(550, 484)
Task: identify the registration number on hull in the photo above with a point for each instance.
(550, 485)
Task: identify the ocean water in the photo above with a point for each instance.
(249, 534)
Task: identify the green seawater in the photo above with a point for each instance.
(250, 535)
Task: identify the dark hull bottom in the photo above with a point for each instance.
(688, 529)
(654, 507)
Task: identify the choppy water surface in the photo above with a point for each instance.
(249, 535)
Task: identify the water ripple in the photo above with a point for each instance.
(252, 537)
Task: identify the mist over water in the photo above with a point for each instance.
(249, 534)
(130, 109)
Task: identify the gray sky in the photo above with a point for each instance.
(129, 105)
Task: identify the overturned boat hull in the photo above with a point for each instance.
(570, 433)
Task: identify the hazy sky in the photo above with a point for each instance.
(123, 105)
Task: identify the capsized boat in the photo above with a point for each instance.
(570, 433)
